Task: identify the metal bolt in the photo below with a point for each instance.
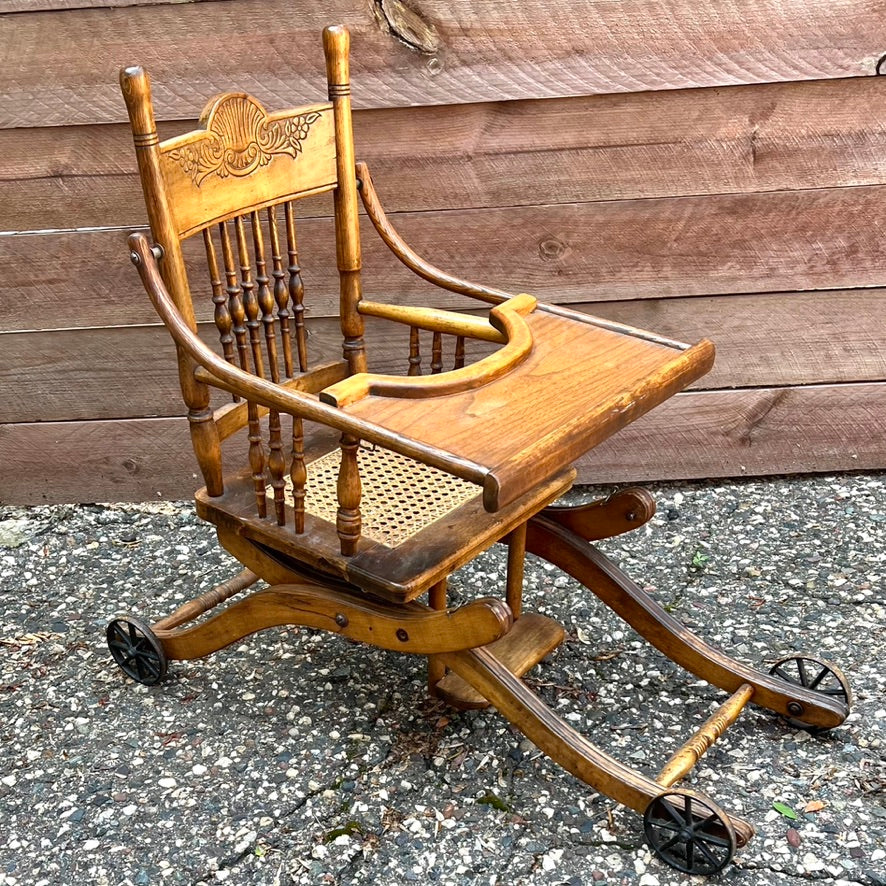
(795, 708)
(402, 636)
(630, 516)
(341, 620)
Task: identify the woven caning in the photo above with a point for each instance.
(400, 496)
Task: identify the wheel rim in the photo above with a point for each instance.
(813, 673)
(136, 650)
(689, 834)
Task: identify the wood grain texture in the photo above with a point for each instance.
(711, 434)
(766, 137)
(629, 249)
(480, 51)
(747, 433)
(770, 339)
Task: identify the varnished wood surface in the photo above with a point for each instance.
(703, 739)
(623, 511)
(530, 640)
(766, 137)
(617, 591)
(398, 628)
(553, 735)
(527, 437)
(470, 53)
(397, 574)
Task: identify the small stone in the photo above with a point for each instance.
(793, 837)
(167, 782)
(649, 880)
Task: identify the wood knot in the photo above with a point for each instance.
(407, 26)
(551, 249)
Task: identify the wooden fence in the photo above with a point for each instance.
(701, 169)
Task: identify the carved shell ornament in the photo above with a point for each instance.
(241, 136)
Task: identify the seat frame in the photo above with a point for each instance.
(331, 577)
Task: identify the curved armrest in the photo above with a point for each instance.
(506, 317)
(411, 259)
(219, 373)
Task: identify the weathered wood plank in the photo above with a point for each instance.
(762, 340)
(468, 52)
(7, 6)
(770, 137)
(629, 249)
(700, 434)
(747, 433)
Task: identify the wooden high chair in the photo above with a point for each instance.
(380, 486)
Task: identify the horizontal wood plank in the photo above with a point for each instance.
(770, 137)
(466, 52)
(748, 433)
(699, 434)
(780, 339)
(579, 252)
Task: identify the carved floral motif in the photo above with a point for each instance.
(240, 137)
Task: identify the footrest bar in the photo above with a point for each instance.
(212, 598)
(712, 729)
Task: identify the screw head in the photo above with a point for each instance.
(795, 708)
(341, 620)
(402, 636)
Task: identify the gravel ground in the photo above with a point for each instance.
(294, 757)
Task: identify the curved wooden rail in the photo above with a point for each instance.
(401, 628)
(582, 561)
(507, 318)
(411, 259)
(560, 741)
(623, 511)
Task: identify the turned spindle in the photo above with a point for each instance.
(414, 352)
(222, 316)
(299, 474)
(281, 292)
(265, 296)
(277, 465)
(459, 352)
(250, 301)
(235, 298)
(348, 522)
(257, 458)
(296, 289)
(437, 353)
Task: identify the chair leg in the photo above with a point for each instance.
(557, 544)
(560, 741)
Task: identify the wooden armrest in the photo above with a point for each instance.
(409, 257)
(217, 372)
(506, 317)
(434, 320)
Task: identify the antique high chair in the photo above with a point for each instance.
(383, 485)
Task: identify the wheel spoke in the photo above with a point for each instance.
(712, 859)
(824, 672)
(801, 670)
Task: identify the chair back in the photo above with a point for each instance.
(234, 181)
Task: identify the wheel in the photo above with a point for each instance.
(689, 833)
(136, 650)
(816, 674)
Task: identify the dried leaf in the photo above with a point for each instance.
(785, 810)
(814, 806)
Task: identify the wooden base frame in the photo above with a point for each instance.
(478, 652)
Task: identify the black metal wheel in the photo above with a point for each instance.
(817, 674)
(689, 833)
(136, 650)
